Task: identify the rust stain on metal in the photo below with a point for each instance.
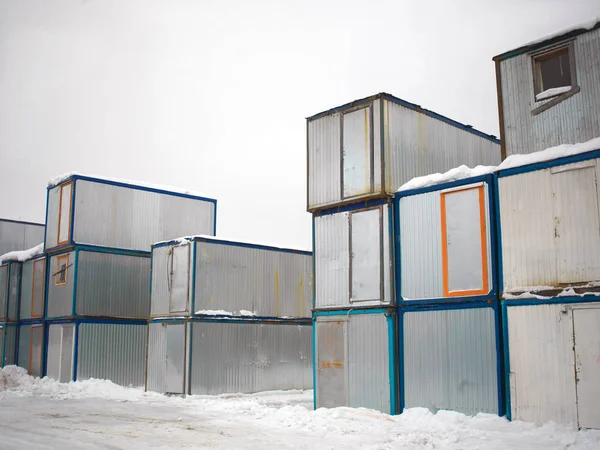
(331, 364)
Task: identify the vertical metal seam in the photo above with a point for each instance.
(371, 150)
(506, 340)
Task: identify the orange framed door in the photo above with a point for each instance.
(64, 213)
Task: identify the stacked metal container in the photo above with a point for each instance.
(16, 235)
(550, 278)
(228, 317)
(359, 154)
(448, 297)
(98, 238)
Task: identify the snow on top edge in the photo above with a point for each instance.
(580, 26)
(184, 239)
(23, 255)
(60, 179)
(463, 172)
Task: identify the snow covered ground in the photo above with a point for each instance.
(42, 414)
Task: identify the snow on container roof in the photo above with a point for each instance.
(408, 105)
(544, 41)
(127, 183)
(204, 237)
(23, 255)
(513, 161)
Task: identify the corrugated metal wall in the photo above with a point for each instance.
(10, 343)
(157, 354)
(19, 236)
(60, 297)
(542, 364)
(3, 290)
(26, 289)
(115, 352)
(114, 216)
(550, 230)
(113, 285)
(159, 303)
(31, 285)
(417, 145)
(52, 210)
(268, 283)
(29, 348)
(332, 261)
(368, 362)
(14, 290)
(421, 245)
(250, 357)
(450, 360)
(24, 346)
(576, 119)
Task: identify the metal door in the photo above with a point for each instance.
(331, 364)
(576, 223)
(180, 278)
(175, 358)
(66, 354)
(36, 340)
(365, 259)
(357, 153)
(586, 326)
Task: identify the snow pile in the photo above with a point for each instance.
(458, 173)
(23, 255)
(549, 154)
(221, 312)
(552, 92)
(58, 180)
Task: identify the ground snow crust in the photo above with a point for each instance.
(41, 413)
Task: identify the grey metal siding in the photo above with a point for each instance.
(157, 355)
(29, 348)
(60, 297)
(115, 352)
(112, 285)
(268, 283)
(159, 303)
(52, 211)
(10, 344)
(250, 357)
(576, 119)
(120, 217)
(450, 360)
(26, 289)
(32, 284)
(3, 290)
(14, 290)
(19, 236)
(324, 161)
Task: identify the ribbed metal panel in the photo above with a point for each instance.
(3, 290)
(52, 210)
(324, 161)
(115, 352)
(450, 360)
(60, 297)
(23, 356)
(114, 216)
(32, 288)
(29, 348)
(269, 283)
(113, 285)
(58, 358)
(250, 357)
(19, 236)
(542, 364)
(576, 119)
(26, 289)
(550, 229)
(332, 261)
(10, 343)
(157, 356)
(14, 289)
(368, 362)
(417, 145)
(160, 281)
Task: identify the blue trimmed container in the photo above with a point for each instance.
(10, 291)
(8, 343)
(446, 243)
(31, 347)
(204, 276)
(16, 235)
(80, 349)
(98, 282)
(355, 359)
(96, 212)
(370, 147)
(353, 255)
(224, 355)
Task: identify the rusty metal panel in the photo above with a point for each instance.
(417, 144)
(112, 285)
(229, 357)
(575, 119)
(112, 351)
(451, 360)
(550, 227)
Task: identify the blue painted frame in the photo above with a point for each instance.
(498, 336)
(314, 360)
(495, 257)
(585, 156)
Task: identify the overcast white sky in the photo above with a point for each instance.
(212, 95)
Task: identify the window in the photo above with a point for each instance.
(62, 264)
(554, 73)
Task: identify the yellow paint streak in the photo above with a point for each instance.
(276, 292)
(331, 364)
